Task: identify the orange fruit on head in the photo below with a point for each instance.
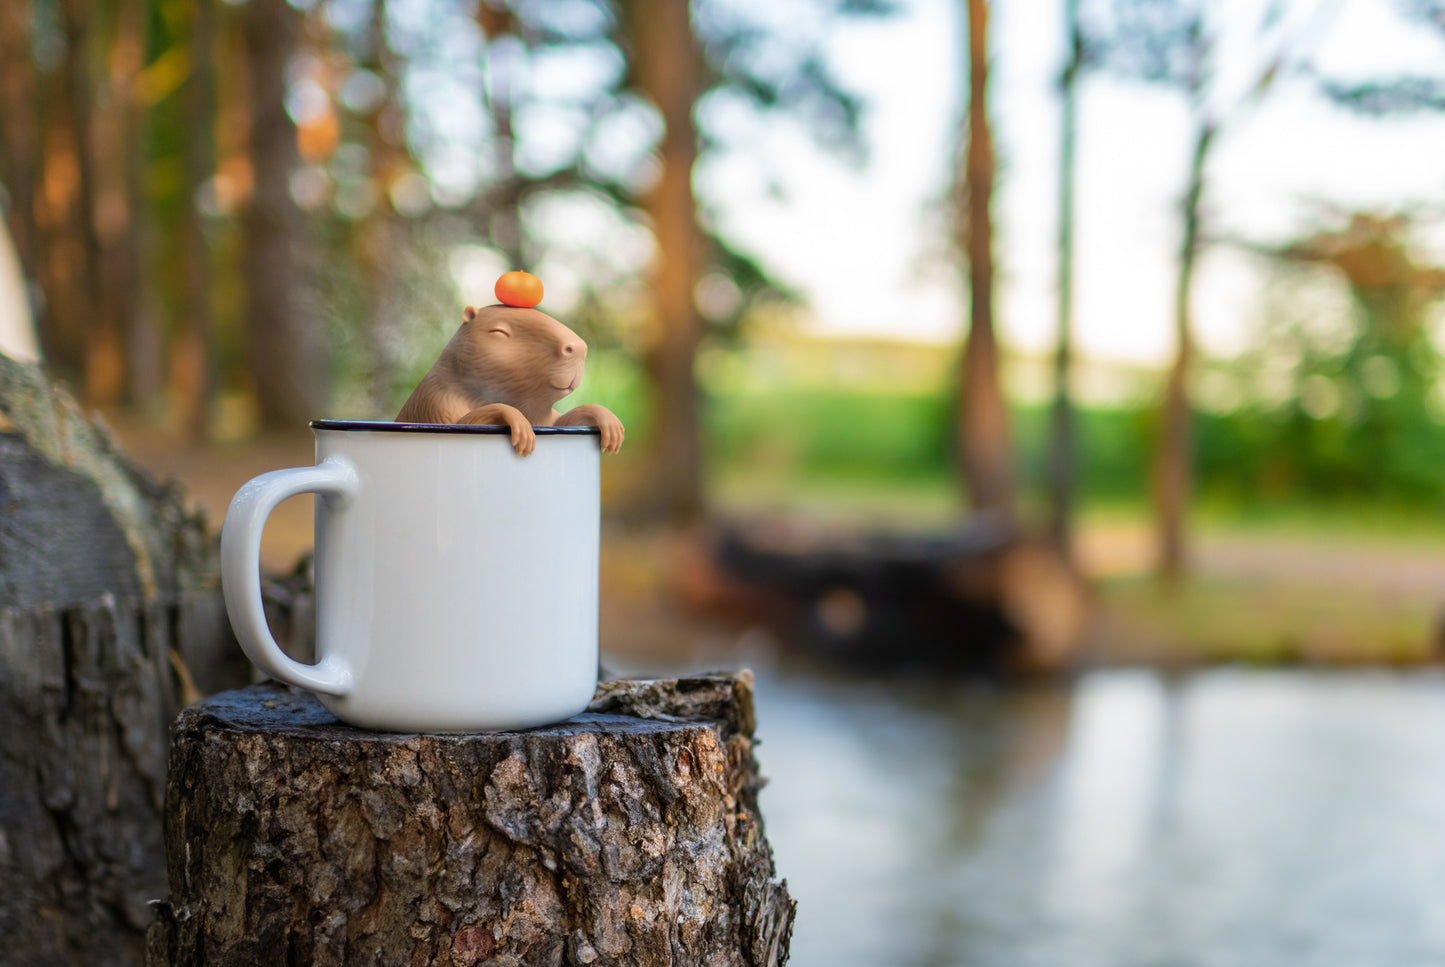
(520, 289)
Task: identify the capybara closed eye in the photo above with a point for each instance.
(509, 366)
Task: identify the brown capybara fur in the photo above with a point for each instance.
(507, 365)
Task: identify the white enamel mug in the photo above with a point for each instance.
(456, 582)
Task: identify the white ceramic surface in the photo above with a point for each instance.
(456, 583)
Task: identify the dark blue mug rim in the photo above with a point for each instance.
(387, 426)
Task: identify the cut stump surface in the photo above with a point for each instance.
(628, 835)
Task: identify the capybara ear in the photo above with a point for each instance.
(468, 314)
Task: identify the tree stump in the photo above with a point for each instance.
(628, 835)
(107, 584)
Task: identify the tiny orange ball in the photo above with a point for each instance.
(520, 289)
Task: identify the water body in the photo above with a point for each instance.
(1228, 817)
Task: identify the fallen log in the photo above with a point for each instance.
(629, 835)
(982, 598)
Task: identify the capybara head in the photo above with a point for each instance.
(508, 353)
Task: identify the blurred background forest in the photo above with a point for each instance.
(1153, 288)
(1160, 280)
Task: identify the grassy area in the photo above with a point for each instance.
(907, 503)
(1279, 575)
(1380, 522)
(1222, 618)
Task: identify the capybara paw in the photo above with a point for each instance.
(612, 434)
(524, 441)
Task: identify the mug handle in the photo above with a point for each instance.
(336, 480)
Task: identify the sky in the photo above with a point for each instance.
(863, 243)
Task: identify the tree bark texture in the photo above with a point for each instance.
(85, 698)
(82, 522)
(106, 586)
(170, 550)
(628, 835)
(984, 440)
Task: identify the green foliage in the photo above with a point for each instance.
(832, 433)
(1405, 94)
(1114, 449)
(1360, 418)
(1250, 457)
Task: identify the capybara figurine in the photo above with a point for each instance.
(508, 364)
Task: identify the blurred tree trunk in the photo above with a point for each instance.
(121, 212)
(230, 237)
(103, 354)
(19, 134)
(284, 350)
(193, 352)
(983, 431)
(1175, 460)
(59, 251)
(383, 231)
(1063, 462)
(667, 63)
(1174, 43)
(503, 212)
